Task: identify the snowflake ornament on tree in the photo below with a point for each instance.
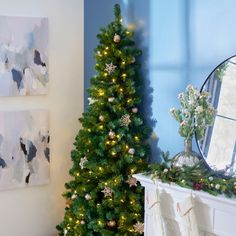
(139, 227)
(83, 161)
(92, 101)
(107, 192)
(125, 120)
(132, 181)
(110, 68)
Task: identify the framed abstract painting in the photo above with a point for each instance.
(23, 56)
(24, 148)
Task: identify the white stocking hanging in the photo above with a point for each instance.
(186, 210)
(155, 220)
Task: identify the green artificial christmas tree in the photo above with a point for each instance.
(103, 199)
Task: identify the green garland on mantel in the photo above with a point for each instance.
(197, 177)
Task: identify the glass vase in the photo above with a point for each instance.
(188, 157)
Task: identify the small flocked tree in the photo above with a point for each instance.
(103, 198)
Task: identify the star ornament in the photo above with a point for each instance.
(83, 161)
(139, 227)
(132, 181)
(110, 68)
(107, 192)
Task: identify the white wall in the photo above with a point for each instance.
(35, 211)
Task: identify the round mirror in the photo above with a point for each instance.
(218, 146)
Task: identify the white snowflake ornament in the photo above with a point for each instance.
(107, 192)
(92, 101)
(83, 161)
(110, 68)
(139, 227)
(132, 182)
(125, 120)
(134, 109)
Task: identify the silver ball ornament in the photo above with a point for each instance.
(117, 38)
(131, 151)
(133, 60)
(134, 109)
(111, 223)
(82, 222)
(101, 118)
(111, 134)
(87, 197)
(111, 99)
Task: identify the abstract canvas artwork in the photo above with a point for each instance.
(23, 56)
(24, 148)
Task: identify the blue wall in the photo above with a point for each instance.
(182, 42)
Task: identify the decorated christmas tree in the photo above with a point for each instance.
(103, 198)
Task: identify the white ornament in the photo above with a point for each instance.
(139, 227)
(111, 223)
(107, 192)
(165, 170)
(110, 68)
(74, 196)
(92, 101)
(116, 38)
(83, 160)
(132, 181)
(111, 134)
(88, 197)
(111, 99)
(133, 60)
(134, 109)
(217, 186)
(131, 151)
(65, 231)
(101, 118)
(210, 178)
(82, 222)
(125, 120)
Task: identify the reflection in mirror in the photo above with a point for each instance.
(218, 146)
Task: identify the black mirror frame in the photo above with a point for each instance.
(218, 173)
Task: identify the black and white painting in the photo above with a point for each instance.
(24, 148)
(23, 56)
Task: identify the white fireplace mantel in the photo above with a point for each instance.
(215, 216)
